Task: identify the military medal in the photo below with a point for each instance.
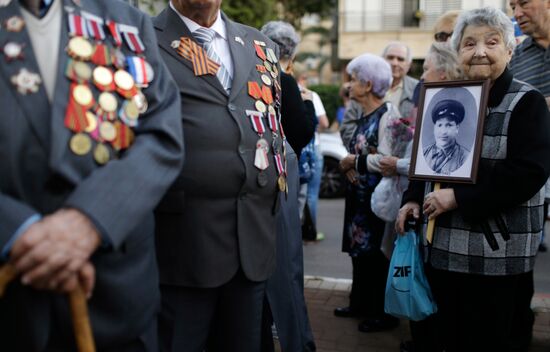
(266, 80)
(103, 79)
(78, 71)
(107, 131)
(80, 144)
(261, 68)
(260, 106)
(26, 81)
(281, 182)
(141, 71)
(80, 100)
(125, 84)
(271, 56)
(268, 66)
(14, 24)
(129, 113)
(262, 179)
(108, 105)
(83, 95)
(254, 90)
(101, 154)
(274, 72)
(13, 51)
(141, 102)
(80, 48)
(267, 95)
(92, 122)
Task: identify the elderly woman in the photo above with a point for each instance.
(285, 293)
(481, 290)
(370, 79)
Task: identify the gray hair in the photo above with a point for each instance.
(392, 44)
(445, 60)
(284, 35)
(374, 69)
(487, 16)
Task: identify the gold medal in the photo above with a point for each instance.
(282, 183)
(82, 70)
(80, 48)
(101, 154)
(271, 109)
(108, 102)
(124, 80)
(83, 95)
(131, 110)
(107, 131)
(103, 76)
(266, 80)
(92, 122)
(260, 106)
(80, 144)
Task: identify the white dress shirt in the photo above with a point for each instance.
(220, 43)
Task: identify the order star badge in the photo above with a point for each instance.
(26, 81)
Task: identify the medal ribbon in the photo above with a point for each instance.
(202, 64)
(261, 68)
(115, 33)
(280, 164)
(267, 96)
(257, 122)
(260, 52)
(75, 115)
(273, 125)
(137, 69)
(124, 136)
(131, 36)
(254, 90)
(102, 55)
(77, 26)
(95, 26)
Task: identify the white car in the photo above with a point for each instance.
(333, 183)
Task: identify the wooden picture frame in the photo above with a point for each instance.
(449, 131)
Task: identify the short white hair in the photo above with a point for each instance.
(409, 57)
(487, 16)
(374, 69)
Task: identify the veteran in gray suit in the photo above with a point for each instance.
(216, 225)
(84, 163)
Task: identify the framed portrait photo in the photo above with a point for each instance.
(449, 131)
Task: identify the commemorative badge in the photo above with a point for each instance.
(261, 160)
(14, 24)
(80, 144)
(101, 154)
(80, 48)
(26, 82)
(13, 51)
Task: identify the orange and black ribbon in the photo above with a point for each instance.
(202, 64)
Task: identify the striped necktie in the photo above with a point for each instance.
(205, 36)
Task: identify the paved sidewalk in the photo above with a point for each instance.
(334, 334)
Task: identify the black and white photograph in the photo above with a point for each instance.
(449, 125)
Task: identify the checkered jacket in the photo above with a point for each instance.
(460, 246)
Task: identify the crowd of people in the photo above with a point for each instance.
(164, 167)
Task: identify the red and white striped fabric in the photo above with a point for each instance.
(78, 26)
(131, 36)
(95, 26)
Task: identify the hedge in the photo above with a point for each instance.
(330, 98)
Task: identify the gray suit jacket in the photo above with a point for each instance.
(406, 104)
(40, 175)
(216, 219)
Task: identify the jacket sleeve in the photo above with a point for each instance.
(523, 172)
(13, 213)
(119, 195)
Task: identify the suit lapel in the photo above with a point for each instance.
(243, 56)
(172, 28)
(35, 106)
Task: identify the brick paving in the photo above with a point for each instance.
(334, 334)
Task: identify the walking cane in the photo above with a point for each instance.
(79, 310)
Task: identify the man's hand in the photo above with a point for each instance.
(439, 202)
(54, 252)
(388, 165)
(547, 102)
(348, 163)
(352, 176)
(407, 210)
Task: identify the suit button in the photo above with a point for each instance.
(231, 107)
(241, 149)
(242, 196)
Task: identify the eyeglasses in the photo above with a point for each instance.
(442, 36)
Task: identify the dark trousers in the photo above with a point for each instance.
(370, 272)
(226, 318)
(479, 313)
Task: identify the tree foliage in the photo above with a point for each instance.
(250, 12)
(294, 10)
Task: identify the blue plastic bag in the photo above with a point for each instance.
(408, 294)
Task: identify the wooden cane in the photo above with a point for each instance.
(431, 222)
(79, 310)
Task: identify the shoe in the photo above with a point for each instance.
(376, 325)
(543, 247)
(345, 312)
(406, 346)
(320, 236)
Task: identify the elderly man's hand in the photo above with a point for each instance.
(348, 163)
(388, 165)
(407, 210)
(439, 202)
(53, 252)
(352, 176)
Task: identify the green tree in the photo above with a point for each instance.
(250, 12)
(293, 10)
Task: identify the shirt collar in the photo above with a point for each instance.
(218, 26)
(500, 87)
